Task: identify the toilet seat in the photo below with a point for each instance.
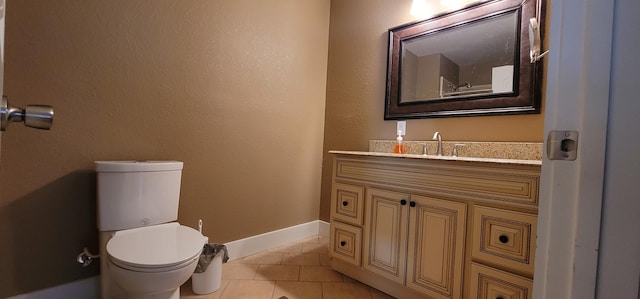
(156, 248)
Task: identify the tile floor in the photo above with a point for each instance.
(299, 270)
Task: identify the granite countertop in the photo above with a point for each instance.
(434, 157)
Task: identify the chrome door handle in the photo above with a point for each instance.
(35, 116)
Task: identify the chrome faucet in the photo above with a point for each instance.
(454, 153)
(437, 136)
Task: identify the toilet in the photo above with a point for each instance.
(145, 253)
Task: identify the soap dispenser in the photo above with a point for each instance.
(399, 148)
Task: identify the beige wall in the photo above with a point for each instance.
(235, 89)
(356, 90)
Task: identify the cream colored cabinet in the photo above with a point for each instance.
(436, 246)
(491, 283)
(385, 239)
(504, 238)
(345, 242)
(416, 241)
(347, 203)
(503, 252)
(345, 235)
(420, 228)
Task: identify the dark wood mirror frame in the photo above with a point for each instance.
(526, 98)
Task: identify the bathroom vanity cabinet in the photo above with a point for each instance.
(435, 228)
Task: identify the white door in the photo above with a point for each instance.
(578, 69)
(581, 88)
(619, 258)
(571, 191)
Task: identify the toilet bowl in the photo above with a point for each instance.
(153, 261)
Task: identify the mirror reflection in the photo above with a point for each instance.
(473, 59)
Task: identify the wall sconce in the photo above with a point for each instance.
(420, 8)
(427, 8)
(454, 4)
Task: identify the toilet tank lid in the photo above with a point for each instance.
(137, 166)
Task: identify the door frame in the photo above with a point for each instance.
(2, 22)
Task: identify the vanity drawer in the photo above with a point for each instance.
(504, 238)
(490, 283)
(345, 242)
(347, 203)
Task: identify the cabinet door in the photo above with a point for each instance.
(385, 239)
(436, 246)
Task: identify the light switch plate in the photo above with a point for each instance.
(402, 127)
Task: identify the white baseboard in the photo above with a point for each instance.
(89, 288)
(323, 228)
(248, 246)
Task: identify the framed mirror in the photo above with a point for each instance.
(474, 61)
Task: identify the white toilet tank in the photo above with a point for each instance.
(137, 193)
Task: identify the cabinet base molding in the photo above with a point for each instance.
(373, 280)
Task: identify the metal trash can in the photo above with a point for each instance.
(208, 274)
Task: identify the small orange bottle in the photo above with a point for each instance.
(399, 148)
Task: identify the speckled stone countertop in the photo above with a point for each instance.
(528, 153)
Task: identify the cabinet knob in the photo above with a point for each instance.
(503, 239)
(412, 204)
(499, 298)
(342, 243)
(403, 202)
(345, 203)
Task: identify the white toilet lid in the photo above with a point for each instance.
(157, 246)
